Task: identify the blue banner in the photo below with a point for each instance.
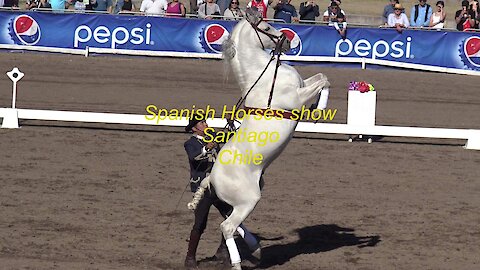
(456, 50)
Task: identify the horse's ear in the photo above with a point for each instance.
(252, 15)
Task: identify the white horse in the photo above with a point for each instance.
(238, 184)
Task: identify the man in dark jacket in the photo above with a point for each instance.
(201, 157)
(309, 11)
(285, 11)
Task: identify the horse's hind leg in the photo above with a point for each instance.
(239, 214)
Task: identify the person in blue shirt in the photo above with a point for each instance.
(285, 11)
(420, 14)
(104, 5)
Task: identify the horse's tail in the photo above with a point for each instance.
(199, 193)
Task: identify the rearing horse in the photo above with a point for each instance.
(239, 184)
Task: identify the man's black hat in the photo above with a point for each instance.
(194, 120)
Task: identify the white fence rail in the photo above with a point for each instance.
(353, 127)
(471, 135)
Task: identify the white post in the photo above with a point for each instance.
(10, 118)
(15, 75)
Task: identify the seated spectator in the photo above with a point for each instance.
(175, 9)
(57, 4)
(387, 10)
(10, 3)
(104, 5)
(124, 6)
(330, 15)
(208, 10)
(261, 5)
(438, 17)
(285, 11)
(341, 25)
(233, 12)
(398, 19)
(475, 14)
(223, 5)
(92, 4)
(153, 7)
(79, 5)
(44, 4)
(463, 16)
(420, 14)
(309, 11)
(29, 4)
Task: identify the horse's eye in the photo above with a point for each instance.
(267, 29)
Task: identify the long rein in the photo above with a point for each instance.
(277, 52)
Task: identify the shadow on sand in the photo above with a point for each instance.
(312, 240)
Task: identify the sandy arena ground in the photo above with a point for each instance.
(97, 196)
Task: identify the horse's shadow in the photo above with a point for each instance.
(312, 240)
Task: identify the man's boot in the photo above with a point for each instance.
(190, 260)
(222, 254)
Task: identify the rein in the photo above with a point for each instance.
(278, 40)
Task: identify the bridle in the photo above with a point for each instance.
(278, 40)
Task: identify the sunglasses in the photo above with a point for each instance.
(236, 3)
(398, 9)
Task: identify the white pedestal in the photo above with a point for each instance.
(361, 108)
(10, 118)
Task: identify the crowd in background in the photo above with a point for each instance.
(425, 15)
(422, 14)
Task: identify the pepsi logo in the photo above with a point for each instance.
(213, 37)
(26, 30)
(295, 41)
(471, 48)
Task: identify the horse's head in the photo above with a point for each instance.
(269, 37)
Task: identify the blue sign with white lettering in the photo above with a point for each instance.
(456, 50)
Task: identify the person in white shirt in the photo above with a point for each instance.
(208, 10)
(398, 19)
(154, 6)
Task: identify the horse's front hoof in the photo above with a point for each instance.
(236, 266)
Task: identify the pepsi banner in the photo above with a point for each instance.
(454, 50)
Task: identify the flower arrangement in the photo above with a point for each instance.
(362, 86)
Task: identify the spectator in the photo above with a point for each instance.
(438, 17)
(285, 11)
(128, 5)
(92, 4)
(462, 17)
(104, 5)
(153, 6)
(261, 5)
(309, 11)
(44, 4)
(233, 12)
(341, 25)
(175, 9)
(57, 4)
(194, 6)
(387, 10)
(124, 6)
(223, 5)
(420, 14)
(475, 13)
(330, 15)
(30, 4)
(79, 5)
(10, 3)
(398, 19)
(338, 2)
(208, 10)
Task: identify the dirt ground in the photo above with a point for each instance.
(98, 196)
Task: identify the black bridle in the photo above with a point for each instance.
(278, 40)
